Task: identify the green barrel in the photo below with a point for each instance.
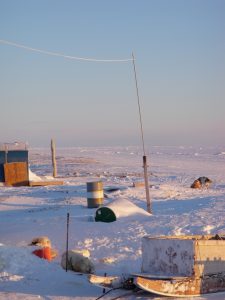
(95, 194)
(105, 214)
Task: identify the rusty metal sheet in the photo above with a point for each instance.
(16, 174)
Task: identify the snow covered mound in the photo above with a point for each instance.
(125, 208)
(117, 209)
(22, 273)
(20, 261)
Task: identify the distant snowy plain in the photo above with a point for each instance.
(28, 212)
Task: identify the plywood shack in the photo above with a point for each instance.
(14, 168)
(16, 174)
(12, 153)
(183, 255)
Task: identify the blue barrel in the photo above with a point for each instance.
(95, 194)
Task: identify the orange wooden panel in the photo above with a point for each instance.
(16, 174)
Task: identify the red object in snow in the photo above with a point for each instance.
(44, 253)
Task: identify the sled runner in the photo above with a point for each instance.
(182, 287)
(164, 285)
(176, 266)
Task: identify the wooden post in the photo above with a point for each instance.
(53, 158)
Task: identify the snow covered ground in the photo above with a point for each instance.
(28, 212)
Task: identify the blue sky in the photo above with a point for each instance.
(180, 59)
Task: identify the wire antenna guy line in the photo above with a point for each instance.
(62, 55)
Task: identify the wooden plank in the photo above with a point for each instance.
(138, 184)
(16, 174)
(45, 183)
(152, 276)
(105, 281)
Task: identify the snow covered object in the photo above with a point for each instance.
(193, 255)
(117, 209)
(44, 253)
(77, 262)
(182, 265)
(44, 249)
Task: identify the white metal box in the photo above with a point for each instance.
(183, 255)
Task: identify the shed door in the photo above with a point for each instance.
(16, 174)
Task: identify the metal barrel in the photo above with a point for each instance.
(95, 194)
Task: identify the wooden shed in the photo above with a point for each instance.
(14, 164)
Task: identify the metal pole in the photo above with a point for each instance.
(145, 166)
(6, 154)
(67, 239)
(139, 105)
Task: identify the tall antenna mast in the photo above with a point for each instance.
(145, 166)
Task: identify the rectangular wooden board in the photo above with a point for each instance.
(16, 174)
(44, 183)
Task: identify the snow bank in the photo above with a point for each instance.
(33, 176)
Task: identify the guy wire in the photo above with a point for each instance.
(60, 54)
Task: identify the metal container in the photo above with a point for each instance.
(195, 255)
(95, 194)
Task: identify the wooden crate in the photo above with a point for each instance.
(183, 255)
(16, 174)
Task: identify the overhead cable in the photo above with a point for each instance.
(62, 55)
